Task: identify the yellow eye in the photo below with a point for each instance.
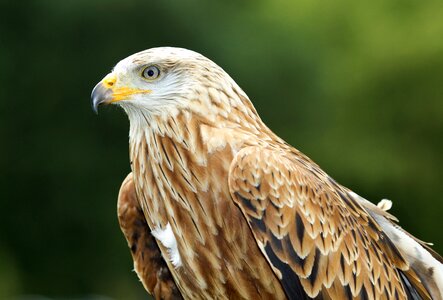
(151, 73)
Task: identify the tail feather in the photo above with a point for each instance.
(413, 288)
(424, 278)
(417, 284)
(426, 265)
(431, 283)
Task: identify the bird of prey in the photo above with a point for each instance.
(217, 206)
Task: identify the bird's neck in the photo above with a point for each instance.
(202, 128)
(195, 133)
(187, 145)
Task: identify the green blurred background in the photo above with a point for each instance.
(357, 86)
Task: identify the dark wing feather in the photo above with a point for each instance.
(291, 283)
(149, 264)
(319, 241)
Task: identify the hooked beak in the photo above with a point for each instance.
(103, 92)
(107, 91)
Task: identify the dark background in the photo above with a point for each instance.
(356, 86)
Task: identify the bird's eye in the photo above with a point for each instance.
(151, 73)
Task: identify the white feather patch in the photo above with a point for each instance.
(167, 238)
(385, 204)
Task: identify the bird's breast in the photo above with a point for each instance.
(183, 185)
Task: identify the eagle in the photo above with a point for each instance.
(217, 206)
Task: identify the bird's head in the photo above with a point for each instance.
(164, 81)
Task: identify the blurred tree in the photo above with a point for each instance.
(356, 86)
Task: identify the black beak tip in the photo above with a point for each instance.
(100, 94)
(94, 108)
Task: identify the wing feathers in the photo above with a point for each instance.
(314, 233)
(149, 264)
(290, 281)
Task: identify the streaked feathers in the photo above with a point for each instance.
(243, 214)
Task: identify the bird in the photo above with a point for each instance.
(217, 206)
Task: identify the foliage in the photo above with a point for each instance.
(356, 86)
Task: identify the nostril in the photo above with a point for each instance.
(109, 81)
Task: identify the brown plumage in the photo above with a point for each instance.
(218, 206)
(148, 261)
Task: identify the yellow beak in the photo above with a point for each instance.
(106, 92)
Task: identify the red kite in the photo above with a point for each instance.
(219, 207)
